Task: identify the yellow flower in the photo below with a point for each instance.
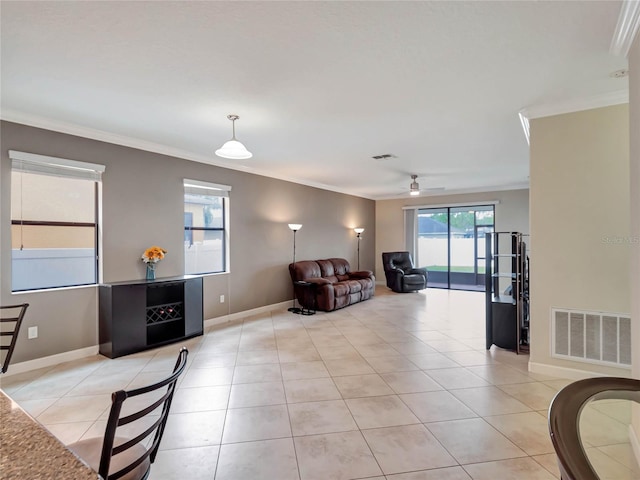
(153, 254)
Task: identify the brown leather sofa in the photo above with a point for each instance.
(330, 284)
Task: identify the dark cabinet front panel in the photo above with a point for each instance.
(141, 315)
(193, 307)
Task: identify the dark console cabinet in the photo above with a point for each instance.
(143, 314)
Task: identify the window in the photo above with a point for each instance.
(54, 222)
(206, 213)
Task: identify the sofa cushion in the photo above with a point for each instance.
(366, 294)
(340, 266)
(326, 268)
(341, 302)
(341, 289)
(354, 286)
(305, 269)
(365, 283)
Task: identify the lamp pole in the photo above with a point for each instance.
(358, 231)
(294, 228)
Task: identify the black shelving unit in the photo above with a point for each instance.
(139, 315)
(507, 291)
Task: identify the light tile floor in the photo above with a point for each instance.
(399, 388)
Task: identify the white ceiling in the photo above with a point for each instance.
(320, 87)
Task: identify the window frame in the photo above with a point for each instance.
(199, 187)
(64, 168)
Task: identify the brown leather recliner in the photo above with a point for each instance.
(330, 284)
(401, 276)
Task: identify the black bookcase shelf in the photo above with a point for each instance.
(139, 315)
(507, 291)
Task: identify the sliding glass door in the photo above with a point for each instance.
(432, 245)
(450, 244)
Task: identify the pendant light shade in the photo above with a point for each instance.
(233, 149)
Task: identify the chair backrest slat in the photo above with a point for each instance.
(109, 449)
(122, 472)
(141, 413)
(127, 445)
(11, 314)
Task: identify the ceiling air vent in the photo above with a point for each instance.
(386, 156)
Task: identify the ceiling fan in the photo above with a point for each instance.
(414, 187)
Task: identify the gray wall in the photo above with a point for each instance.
(143, 206)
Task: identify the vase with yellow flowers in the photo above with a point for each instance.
(151, 257)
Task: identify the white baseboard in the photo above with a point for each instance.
(245, 313)
(570, 373)
(635, 443)
(51, 360)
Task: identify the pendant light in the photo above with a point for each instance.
(233, 149)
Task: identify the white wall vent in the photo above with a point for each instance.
(593, 337)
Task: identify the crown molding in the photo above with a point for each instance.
(576, 105)
(569, 106)
(626, 29)
(15, 116)
(108, 137)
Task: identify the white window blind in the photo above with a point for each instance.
(198, 187)
(410, 233)
(58, 167)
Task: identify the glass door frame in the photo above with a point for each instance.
(476, 251)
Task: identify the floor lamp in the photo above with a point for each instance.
(358, 231)
(294, 228)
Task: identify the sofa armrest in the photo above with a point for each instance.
(421, 271)
(361, 274)
(394, 271)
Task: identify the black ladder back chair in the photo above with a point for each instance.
(121, 454)
(10, 320)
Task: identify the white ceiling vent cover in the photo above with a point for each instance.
(592, 337)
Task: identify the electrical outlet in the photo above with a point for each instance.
(33, 332)
(221, 298)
